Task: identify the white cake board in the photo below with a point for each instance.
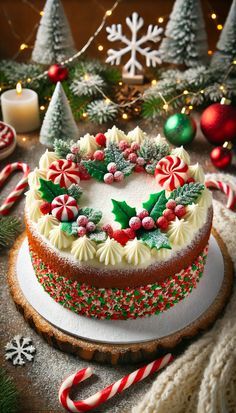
(123, 331)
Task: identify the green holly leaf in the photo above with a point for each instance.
(97, 169)
(93, 215)
(155, 239)
(114, 154)
(123, 212)
(156, 204)
(75, 191)
(49, 190)
(98, 236)
(69, 227)
(188, 193)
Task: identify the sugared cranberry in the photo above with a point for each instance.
(140, 161)
(82, 221)
(142, 213)
(127, 152)
(123, 145)
(162, 223)
(90, 227)
(171, 204)
(108, 229)
(108, 178)
(180, 211)
(169, 214)
(111, 167)
(148, 223)
(81, 231)
(118, 176)
(101, 139)
(132, 157)
(130, 232)
(135, 146)
(135, 223)
(98, 155)
(190, 180)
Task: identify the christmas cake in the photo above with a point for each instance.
(118, 225)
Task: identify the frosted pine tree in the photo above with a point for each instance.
(58, 122)
(185, 40)
(54, 42)
(226, 45)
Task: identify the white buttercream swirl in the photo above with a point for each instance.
(31, 196)
(162, 254)
(34, 211)
(115, 135)
(205, 199)
(88, 144)
(179, 232)
(83, 249)
(182, 154)
(47, 159)
(110, 252)
(46, 223)
(33, 178)
(196, 215)
(137, 135)
(197, 173)
(59, 238)
(136, 252)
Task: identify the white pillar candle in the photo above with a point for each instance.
(20, 109)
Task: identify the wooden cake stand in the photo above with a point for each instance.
(113, 352)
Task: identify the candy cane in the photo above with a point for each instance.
(108, 392)
(226, 189)
(20, 187)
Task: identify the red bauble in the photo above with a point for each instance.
(221, 157)
(57, 73)
(218, 123)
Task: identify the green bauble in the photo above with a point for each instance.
(180, 129)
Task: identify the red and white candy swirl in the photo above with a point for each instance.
(171, 172)
(64, 208)
(63, 172)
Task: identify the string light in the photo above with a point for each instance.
(120, 83)
(124, 116)
(86, 76)
(213, 16)
(190, 107)
(84, 115)
(185, 92)
(42, 107)
(210, 52)
(165, 106)
(219, 27)
(41, 13)
(234, 62)
(29, 79)
(109, 12)
(100, 47)
(153, 82)
(23, 46)
(160, 20)
(107, 100)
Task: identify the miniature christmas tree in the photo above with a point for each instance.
(226, 45)
(54, 42)
(186, 39)
(58, 122)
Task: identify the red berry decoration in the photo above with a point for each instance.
(101, 139)
(45, 208)
(111, 167)
(119, 176)
(81, 231)
(130, 232)
(140, 161)
(108, 178)
(190, 180)
(108, 229)
(90, 227)
(135, 223)
(127, 152)
(132, 157)
(169, 214)
(180, 211)
(142, 213)
(148, 223)
(171, 204)
(123, 145)
(135, 146)
(98, 155)
(57, 73)
(162, 223)
(83, 173)
(221, 157)
(218, 123)
(82, 221)
(121, 236)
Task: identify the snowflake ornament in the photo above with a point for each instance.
(101, 110)
(89, 84)
(19, 350)
(134, 45)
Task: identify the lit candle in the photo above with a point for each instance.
(20, 109)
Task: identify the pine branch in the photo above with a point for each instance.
(10, 227)
(8, 394)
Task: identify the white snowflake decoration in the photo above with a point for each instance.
(19, 350)
(101, 111)
(134, 45)
(89, 84)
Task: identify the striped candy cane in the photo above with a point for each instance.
(108, 392)
(20, 187)
(226, 189)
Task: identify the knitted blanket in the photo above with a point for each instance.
(203, 379)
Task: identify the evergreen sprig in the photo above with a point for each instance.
(10, 227)
(8, 394)
(187, 193)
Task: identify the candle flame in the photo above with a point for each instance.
(18, 88)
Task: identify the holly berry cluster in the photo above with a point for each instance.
(120, 235)
(84, 225)
(130, 152)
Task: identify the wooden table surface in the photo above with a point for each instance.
(38, 382)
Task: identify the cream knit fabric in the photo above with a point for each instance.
(203, 379)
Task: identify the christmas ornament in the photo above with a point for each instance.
(218, 123)
(221, 157)
(58, 121)
(15, 195)
(19, 350)
(110, 391)
(171, 172)
(133, 67)
(54, 41)
(180, 129)
(64, 172)
(226, 189)
(64, 208)
(7, 140)
(57, 73)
